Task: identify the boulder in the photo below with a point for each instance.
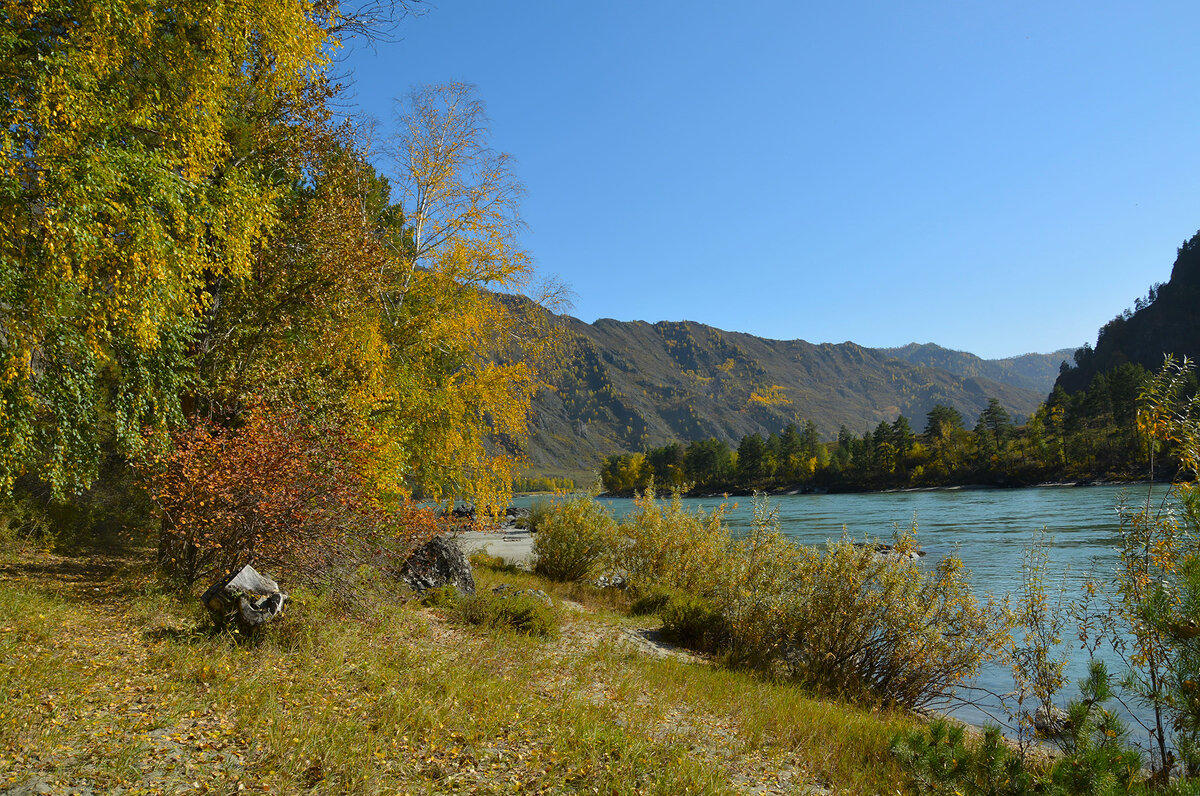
(1050, 721)
(246, 599)
(437, 562)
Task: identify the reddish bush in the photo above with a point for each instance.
(275, 491)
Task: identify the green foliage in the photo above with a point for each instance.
(1151, 617)
(25, 525)
(522, 613)
(440, 596)
(571, 537)
(651, 601)
(1095, 758)
(125, 194)
(943, 761)
(1084, 435)
(693, 622)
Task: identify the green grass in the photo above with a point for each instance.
(127, 687)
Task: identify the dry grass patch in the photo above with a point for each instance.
(127, 689)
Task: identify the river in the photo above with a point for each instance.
(988, 528)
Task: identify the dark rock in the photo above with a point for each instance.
(247, 599)
(436, 563)
(890, 551)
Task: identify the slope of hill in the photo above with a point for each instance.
(1035, 372)
(623, 386)
(1167, 321)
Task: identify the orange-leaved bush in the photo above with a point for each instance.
(277, 491)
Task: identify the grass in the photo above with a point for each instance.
(107, 681)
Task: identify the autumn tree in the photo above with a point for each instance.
(461, 355)
(121, 200)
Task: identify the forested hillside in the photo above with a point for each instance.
(1166, 321)
(625, 386)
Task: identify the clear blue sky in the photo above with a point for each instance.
(997, 177)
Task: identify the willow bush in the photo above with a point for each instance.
(571, 537)
(840, 618)
(860, 624)
(662, 543)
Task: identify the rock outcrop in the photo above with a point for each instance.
(438, 562)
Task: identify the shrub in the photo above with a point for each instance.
(277, 491)
(24, 524)
(538, 512)
(651, 601)
(663, 543)
(1095, 761)
(942, 762)
(523, 613)
(571, 537)
(481, 558)
(694, 622)
(440, 596)
(753, 586)
(857, 623)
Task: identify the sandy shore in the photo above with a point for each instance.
(514, 545)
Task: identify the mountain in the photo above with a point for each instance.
(1035, 372)
(624, 386)
(1167, 321)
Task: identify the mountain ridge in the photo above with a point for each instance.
(623, 386)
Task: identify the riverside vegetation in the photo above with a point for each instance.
(1086, 435)
(847, 622)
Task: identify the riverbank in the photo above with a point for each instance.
(809, 489)
(514, 545)
(112, 685)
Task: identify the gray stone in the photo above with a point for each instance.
(616, 581)
(438, 562)
(506, 590)
(34, 786)
(246, 599)
(1050, 721)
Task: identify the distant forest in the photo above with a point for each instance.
(1086, 435)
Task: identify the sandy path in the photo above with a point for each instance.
(514, 545)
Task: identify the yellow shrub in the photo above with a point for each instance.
(663, 543)
(571, 537)
(859, 623)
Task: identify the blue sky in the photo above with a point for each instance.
(997, 177)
